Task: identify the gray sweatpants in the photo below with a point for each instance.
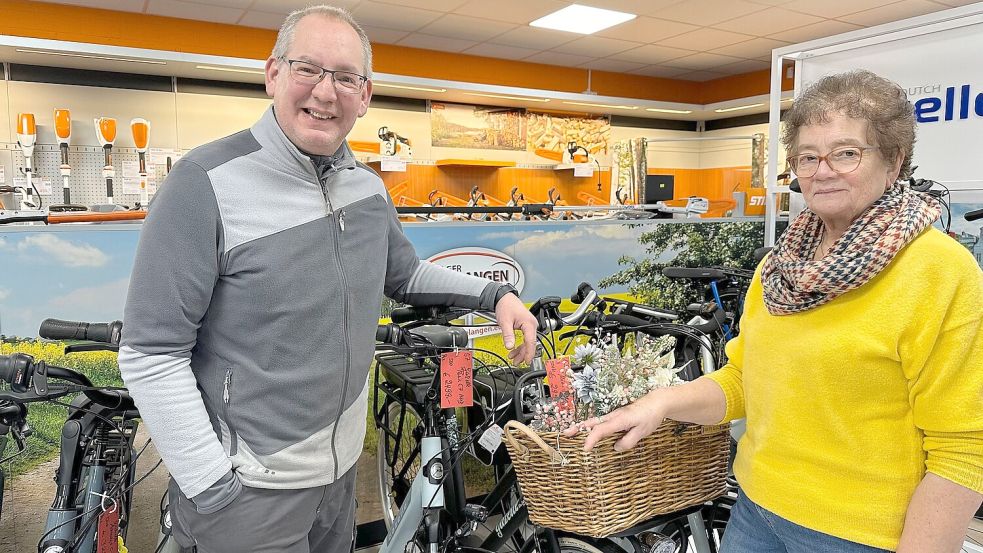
(309, 520)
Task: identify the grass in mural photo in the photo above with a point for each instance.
(46, 419)
(702, 245)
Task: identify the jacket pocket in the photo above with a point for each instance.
(227, 413)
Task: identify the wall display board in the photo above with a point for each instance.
(936, 59)
(82, 273)
(488, 128)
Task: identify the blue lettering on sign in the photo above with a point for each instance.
(927, 109)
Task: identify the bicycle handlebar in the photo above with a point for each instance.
(973, 215)
(55, 329)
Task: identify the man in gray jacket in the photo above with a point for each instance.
(253, 303)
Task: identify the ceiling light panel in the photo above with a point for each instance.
(584, 20)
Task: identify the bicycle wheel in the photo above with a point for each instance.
(581, 544)
(715, 518)
(397, 462)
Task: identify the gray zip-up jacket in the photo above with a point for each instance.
(252, 308)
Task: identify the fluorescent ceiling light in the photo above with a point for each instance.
(609, 106)
(520, 98)
(231, 69)
(406, 87)
(88, 56)
(582, 19)
(664, 110)
(749, 106)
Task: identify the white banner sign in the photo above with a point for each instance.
(482, 262)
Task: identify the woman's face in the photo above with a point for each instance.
(837, 198)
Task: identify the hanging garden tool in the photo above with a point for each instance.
(106, 133)
(26, 137)
(141, 138)
(63, 132)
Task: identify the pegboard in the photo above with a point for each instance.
(88, 186)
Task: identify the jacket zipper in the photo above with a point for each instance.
(226, 399)
(344, 288)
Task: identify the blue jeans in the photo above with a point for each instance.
(753, 529)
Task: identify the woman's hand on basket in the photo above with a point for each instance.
(638, 420)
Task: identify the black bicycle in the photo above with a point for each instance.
(97, 460)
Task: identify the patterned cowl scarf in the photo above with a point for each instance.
(793, 282)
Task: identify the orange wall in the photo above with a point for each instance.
(76, 24)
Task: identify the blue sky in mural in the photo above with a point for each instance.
(78, 275)
(83, 274)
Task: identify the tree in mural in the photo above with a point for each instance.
(694, 245)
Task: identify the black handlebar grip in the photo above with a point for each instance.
(412, 313)
(973, 215)
(54, 329)
(16, 370)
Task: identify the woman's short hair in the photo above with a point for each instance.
(863, 95)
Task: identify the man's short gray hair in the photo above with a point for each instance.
(862, 95)
(285, 38)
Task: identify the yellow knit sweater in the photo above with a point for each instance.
(849, 404)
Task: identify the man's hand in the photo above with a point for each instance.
(512, 315)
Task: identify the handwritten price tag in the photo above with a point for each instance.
(456, 380)
(556, 372)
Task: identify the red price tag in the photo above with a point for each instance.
(108, 530)
(456, 379)
(556, 372)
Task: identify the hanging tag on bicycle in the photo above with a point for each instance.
(559, 382)
(107, 537)
(491, 439)
(456, 379)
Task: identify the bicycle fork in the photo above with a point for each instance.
(423, 504)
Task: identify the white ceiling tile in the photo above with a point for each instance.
(659, 71)
(743, 66)
(892, 12)
(595, 46)
(652, 54)
(701, 61)
(816, 30)
(430, 42)
(708, 12)
(614, 66)
(490, 50)
(531, 37)
(287, 6)
(704, 39)
(647, 29)
(756, 48)
(400, 18)
(701, 76)
(435, 5)
(769, 21)
(117, 5)
(556, 58)
(467, 28)
(192, 10)
(261, 20)
(512, 11)
(834, 8)
(384, 36)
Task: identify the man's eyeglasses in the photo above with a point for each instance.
(308, 74)
(841, 160)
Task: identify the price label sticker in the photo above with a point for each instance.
(583, 170)
(491, 439)
(392, 163)
(456, 379)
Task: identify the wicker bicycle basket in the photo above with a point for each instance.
(601, 492)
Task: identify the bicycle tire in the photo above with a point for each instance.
(580, 544)
(392, 487)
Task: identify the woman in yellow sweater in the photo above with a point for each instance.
(859, 365)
